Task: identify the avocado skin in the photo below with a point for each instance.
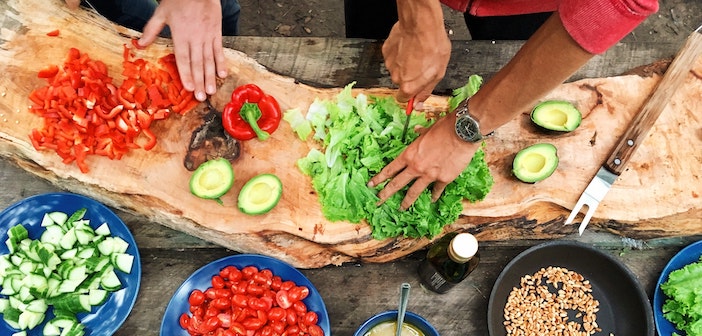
(556, 115)
(541, 155)
(255, 209)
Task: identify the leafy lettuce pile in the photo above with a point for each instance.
(683, 307)
(359, 136)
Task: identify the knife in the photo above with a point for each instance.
(639, 126)
(408, 112)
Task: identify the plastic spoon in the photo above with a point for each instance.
(404, 296)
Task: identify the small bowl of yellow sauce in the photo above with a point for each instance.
(384, 324)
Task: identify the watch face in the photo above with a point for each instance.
(467, 129)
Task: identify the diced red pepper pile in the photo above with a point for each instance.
(84, 113)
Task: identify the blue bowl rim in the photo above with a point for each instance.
(427, 327)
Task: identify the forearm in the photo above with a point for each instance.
(545, 61)
(420, 15)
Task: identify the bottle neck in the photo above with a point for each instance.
(455, 257)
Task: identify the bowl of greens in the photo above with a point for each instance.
(674, 307)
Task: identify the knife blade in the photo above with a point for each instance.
(632, 138)
(408, 112)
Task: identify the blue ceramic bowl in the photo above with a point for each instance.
(391, 315)
(688, 255)
(202, 279)
(102, 320)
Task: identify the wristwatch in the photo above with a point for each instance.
(467, 128)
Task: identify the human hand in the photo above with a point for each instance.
(196, 29)
(417, 52)
(437, 156)
(73, 4)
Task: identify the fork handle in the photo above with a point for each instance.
(675, 75)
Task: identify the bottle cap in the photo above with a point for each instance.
(464, 246)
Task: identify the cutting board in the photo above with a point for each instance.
(658, 196)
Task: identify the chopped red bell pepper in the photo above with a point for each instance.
(251, 113)
(84, 113)
(53, 33)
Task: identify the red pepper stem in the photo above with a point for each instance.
(250, 112)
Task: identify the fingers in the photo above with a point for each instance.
(152, 28)
(72, 4)
(413, 192)
(220, 61)
(388, 172)
(437, 190)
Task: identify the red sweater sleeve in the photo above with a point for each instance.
(595, 24)
(599, 24)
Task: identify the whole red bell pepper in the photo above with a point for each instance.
(251, 113)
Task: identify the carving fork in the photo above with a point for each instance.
(636, 133)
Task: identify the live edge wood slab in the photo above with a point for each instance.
(658, 196)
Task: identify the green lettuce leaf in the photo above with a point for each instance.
(360, 135)
(683, 307)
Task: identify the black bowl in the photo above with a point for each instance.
(624, 306)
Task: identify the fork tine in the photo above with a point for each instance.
(576, 209)
(586, 220)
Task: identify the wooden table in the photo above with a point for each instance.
(353, 292)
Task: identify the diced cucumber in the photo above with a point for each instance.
(18, 233)
(4, 303)
(69, 239)
(20, 333)
(86, 252)
(69, 286)
(78, 215)
(69, 254)
(123, 262)
(110, 281)
(29, 320)
(52, 235)
(103, 230)
(51, 330)
(58, 217)
(84, 236)
(97, 296)
(75, 303)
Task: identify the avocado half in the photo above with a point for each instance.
(260, 194)
(212, 179)
(535, 163)
(556, 115)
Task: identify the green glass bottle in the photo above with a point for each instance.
(449, 261)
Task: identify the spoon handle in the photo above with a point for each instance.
(404, 296)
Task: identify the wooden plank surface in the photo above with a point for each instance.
(354, 291)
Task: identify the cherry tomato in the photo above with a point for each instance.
(299, 307)
(210, 324)
(298, 293)
(315, 330)
(196, 298)
(251, 323)
(217, 282)
(184, 321)
(220, 303)
(310, 318)
(283, 299)
(276, 314)
(248, 272)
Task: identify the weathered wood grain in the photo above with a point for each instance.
(662, 182)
